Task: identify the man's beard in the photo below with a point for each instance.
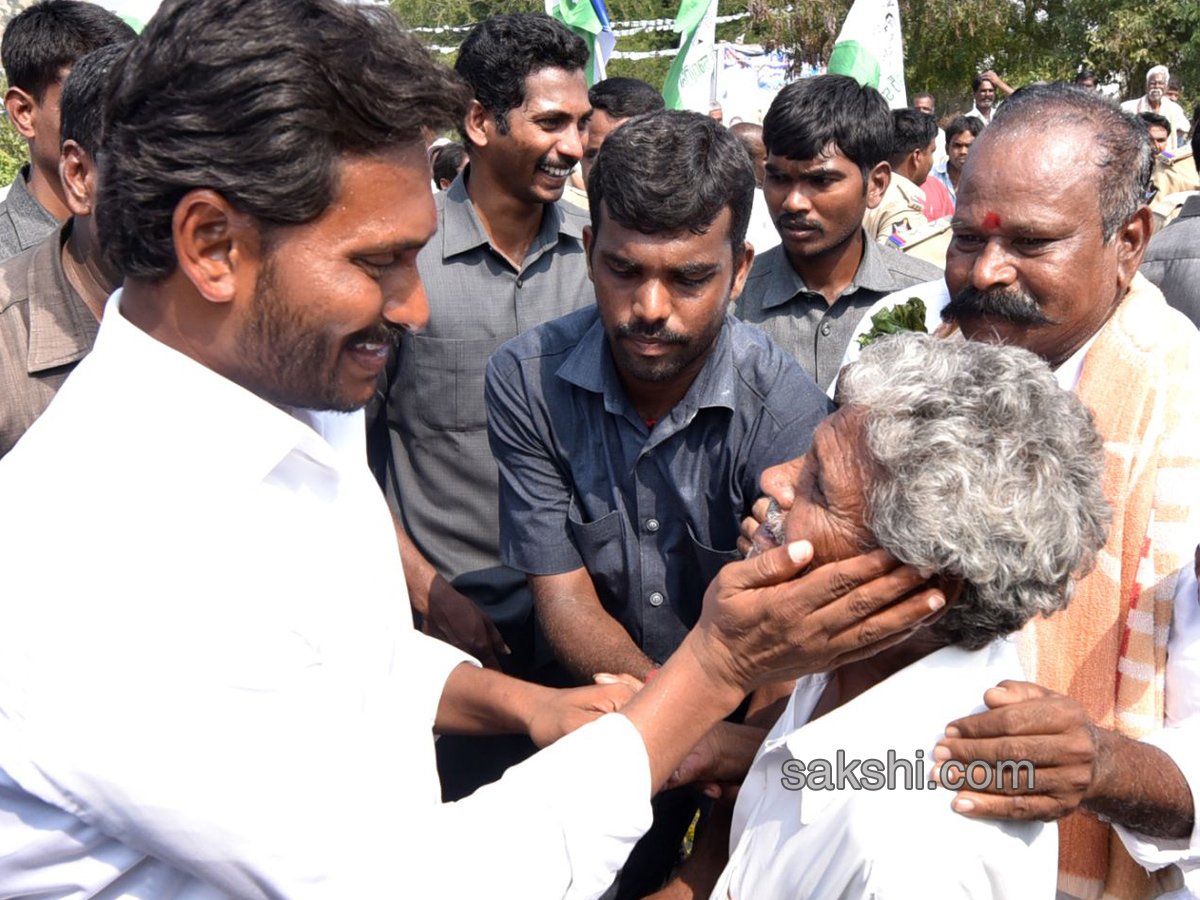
(289, 361)
(660, 370)
(1010, 304)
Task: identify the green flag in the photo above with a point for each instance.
(589, 20)
(689, 82)
(869, 49)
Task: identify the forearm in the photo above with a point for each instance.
(418, 571)
(482, 701)
(1138, 786)
(679, 705)
(585, 638)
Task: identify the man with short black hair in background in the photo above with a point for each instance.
(828, 140)
(508, 255)
(52, 295)
(40, 45)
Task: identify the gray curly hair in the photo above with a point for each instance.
(984, 470)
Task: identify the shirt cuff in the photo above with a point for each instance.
(1182, 745)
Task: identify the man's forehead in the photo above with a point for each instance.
(555, 87)
(831, 157)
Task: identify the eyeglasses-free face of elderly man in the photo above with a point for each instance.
(970, 461)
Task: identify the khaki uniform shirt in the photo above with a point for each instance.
(45, 329)
(901, 209)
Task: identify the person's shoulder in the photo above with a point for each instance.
(550, 341)
(754, 292)
(14, 277)
(767, 373)
(907, 270)
(1179, 240)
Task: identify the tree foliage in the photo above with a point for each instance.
(946, 41)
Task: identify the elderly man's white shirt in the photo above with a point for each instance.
(882, 844)
(1168, 109)
(1180, 738)
(209, 681)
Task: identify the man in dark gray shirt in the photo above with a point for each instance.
(828, 140)
(40, 45)
(507, 256)
(631, 435)
(1172, 261)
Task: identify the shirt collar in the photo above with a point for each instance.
(951, 679)
(61, 327)
(27, 213)
(786, 283)
(590, 366)
(226, 433)
(462, 230)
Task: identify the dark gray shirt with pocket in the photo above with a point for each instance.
(652, 513)
(439, 475)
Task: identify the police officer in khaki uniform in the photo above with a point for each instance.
(913, 148)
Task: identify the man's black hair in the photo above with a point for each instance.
(50, 36)
(977, 81)
(911, 130)
(1117, 143)
(1085, 75)
(961, 124)
(919, 94)
(624, 98)
(258, 100)
(448, 159)
(497, 55)
(667, 171)
(809, 117)
(1153, 118)
(83, 98)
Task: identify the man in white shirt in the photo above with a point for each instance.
(209, 681)
(1155, 100)
(936, 448)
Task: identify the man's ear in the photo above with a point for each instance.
(213, 243)
(479, 124)
(1131, 239)
(21, 110)
(588, 240)
(741, 268)
(78, 176)
(878, 180)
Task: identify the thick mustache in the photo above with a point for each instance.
(557, 162)
(1011, 304)
(376, 334)
(786, 222)
(776, 522)
(651, 333)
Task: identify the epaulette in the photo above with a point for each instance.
(913, 237)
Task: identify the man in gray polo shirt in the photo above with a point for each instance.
(507, 256)
(40, 45)
(631, 435)
(828, 140)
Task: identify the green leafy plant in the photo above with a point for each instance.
(908, 316)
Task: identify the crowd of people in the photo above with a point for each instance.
(590, 504)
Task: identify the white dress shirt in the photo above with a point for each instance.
(210, 685)
(1180, 738)
(882, 844)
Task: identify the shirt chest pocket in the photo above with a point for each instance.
(601, 547)
(449, 381)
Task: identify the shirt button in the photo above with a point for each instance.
(656, 599)
(652, 525)
(826, 328)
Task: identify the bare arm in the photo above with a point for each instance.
(447, 615)
(585, 638)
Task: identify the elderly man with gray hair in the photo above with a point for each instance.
(969, 461)
(1155, 100)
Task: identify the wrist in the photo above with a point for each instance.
(1105, 744)
(713, 668)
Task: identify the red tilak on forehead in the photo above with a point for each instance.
(991, 221)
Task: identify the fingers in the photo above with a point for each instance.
(758, 515)
(1048, 715)
(624, 678)
(498, 644)
(1038, 807)
(867, 589)
(1009, 692)
(769, 568)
